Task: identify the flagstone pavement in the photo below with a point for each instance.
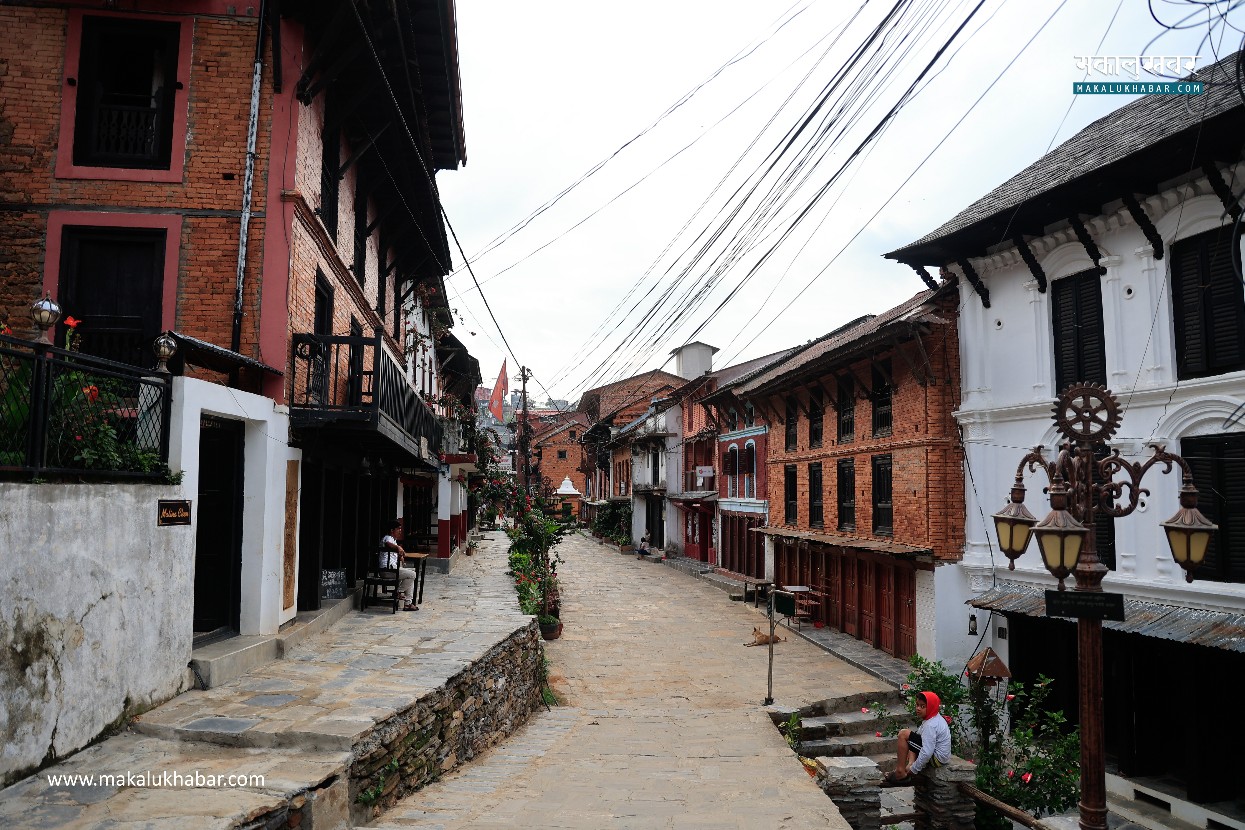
(662, 724)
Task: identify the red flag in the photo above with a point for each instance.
(500, 390)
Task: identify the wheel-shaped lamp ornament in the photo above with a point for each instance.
(1087, 412)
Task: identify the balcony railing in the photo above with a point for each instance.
(63, 412)
(647, 485)
(355, 381)
(693, 483)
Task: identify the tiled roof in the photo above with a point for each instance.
(1111, 139)
(839, 341)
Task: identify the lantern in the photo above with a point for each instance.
(1013, 524)
(1060, 536)
(1188, 532)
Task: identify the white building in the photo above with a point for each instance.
(1113, 260)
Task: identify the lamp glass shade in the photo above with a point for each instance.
(1188, 536)
(45, 313)
(1061, 537)
(1013, 525)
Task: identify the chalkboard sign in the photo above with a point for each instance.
(332, 584)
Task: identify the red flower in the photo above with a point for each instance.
(77, 438)
(7, 331)
(1027, 777)
(877, 734)
(1011, 697)
(864, 709)
(947, 718)
(91, 392)
(72, 322)
(1011, 773)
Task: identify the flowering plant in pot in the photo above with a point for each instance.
(550, 626)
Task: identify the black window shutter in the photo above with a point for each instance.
(731, 465)
(1223, 304)
(1218, 464)
(1076, 318)
(749, 463)
(1187, 302)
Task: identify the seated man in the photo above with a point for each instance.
(931, 743)
(643, 551)
(393, 556)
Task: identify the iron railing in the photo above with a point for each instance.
(125, 131)
(355, 379)
(63, 412)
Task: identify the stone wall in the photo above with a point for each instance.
(474, 710)
(938, 800)
(852, 783)
(92, 631)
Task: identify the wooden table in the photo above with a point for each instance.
(420, 566)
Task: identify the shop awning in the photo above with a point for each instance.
(844, 541)
(1196, 626)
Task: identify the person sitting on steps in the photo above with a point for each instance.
(642, 551)
(930, 743)
(393, 556)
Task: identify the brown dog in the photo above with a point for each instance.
(760, 638)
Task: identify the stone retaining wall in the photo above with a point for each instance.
(474, 710)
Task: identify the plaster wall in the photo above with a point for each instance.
(93, 614)
(1007, 394)
(265, 453)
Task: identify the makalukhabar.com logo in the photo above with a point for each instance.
(1108, 68)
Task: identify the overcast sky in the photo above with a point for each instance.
(553, 87)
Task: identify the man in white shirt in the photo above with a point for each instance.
(393, 556)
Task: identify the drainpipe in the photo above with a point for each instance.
(248, 180)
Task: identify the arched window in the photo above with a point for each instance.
(749, 468)
(731, 468)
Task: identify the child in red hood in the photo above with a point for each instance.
(931, 742)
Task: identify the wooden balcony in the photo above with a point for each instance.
(351, 387)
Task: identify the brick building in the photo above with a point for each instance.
(559, 448)
(161, 171)
(864, 471)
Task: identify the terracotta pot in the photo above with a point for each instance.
(551, 632)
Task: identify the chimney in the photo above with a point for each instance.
(693, 360)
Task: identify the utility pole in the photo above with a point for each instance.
(525, 433)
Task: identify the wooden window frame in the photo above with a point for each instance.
(816, 495)
(883, 497)
(846, 474)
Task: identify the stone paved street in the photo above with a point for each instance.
(663, 725)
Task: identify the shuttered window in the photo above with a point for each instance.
(1207, 305)
(330, 178)
(1076, 316)
(882, 398)
(748, 464)
(732, 472)
(815, 518)
(883, 508)
(847, 409)
(791, 511)
(847, 494)
(816, 417)
(1218, 463)
(791, 424)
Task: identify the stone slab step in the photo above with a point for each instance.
(1138, 814)
(886, 762)
(224, 660)
(854, 722)
(284, 789)
(846, 745)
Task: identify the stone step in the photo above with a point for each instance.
(854, 722)
(846, 746)
(886, 762)
(1138, 814)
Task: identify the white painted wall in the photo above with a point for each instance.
(1007, 394)
(265, 453)
(94, 613)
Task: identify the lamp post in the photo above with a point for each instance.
(45, 313)
(1081, 484)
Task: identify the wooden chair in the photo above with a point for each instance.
(380, 586)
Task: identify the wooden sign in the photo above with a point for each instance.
(1087, 605)
(171, 512)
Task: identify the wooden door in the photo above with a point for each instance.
(865, 575)
(886, 607)
(834, 613)
(850, 604)
(218, 531)
(905, 611)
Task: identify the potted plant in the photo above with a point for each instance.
(550, 626)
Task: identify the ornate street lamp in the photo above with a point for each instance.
(45, 313)
(1082, 484)
(165, 347)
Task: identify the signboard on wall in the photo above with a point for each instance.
(704, 472)
(172, 512)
